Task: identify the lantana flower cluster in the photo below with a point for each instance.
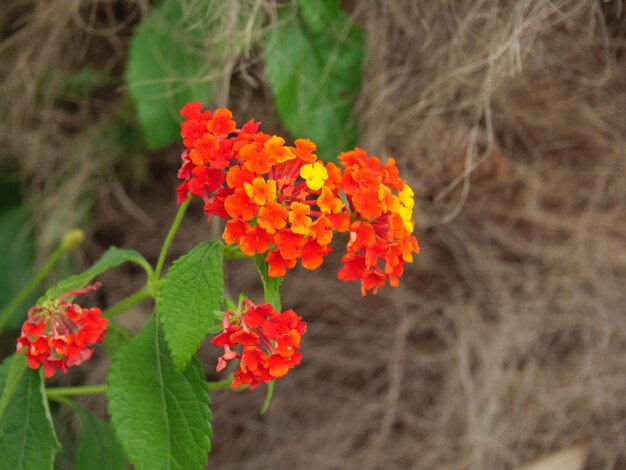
(381, 239)
(278, 200)
(281, 201)
(59, 334)
(265, 341)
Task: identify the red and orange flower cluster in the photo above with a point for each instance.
(281, 201)
(58, 334)
(269, 343)
(381, 239)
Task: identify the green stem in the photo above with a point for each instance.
(271, 291)
(170, 236)
(268, 396)
(128, 302)
(32, 285)
(53, 393)
(221, 385)
(64, 401)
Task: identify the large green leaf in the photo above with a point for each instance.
(192, 290)
(160, 415)
(97, 446)
(313, 61)
(27, 438)
(271, 285)
(165, 71)
(110, 259)
(116, 338)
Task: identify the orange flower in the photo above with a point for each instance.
(237, 176)
(313, 254)
(255, 160)
(322, 230)
(304, 149)
(261, 191)
(203, 149)
(334, 176)
(277, 265)
(289, 244)
(298, 218)
(222, 123)
(235, 229)
(272, 217)
(256, 240)
(328, 203)
(274, 150)
(239, 205)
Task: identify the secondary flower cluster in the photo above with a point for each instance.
(269, 342)
(381, 239)
(281, 201)
(58, 334)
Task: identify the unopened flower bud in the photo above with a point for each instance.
(72, 239)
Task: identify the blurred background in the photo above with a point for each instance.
(504, 341)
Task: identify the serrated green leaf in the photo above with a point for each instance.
(97, 446)
(192, 290)
(164, 72)
(271, 285)
(27, 438)
(112, 258)
(161, 416)
(116, 338)
(313, 60)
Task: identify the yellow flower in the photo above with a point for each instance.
(406, 197)
(315, 175)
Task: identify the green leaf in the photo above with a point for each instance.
(271, 285)
(160, 415)
(313, 61)
(192, 290)
(112, 258)
(27, 438)
(17, 258)
(116, 338)
(97, 446)
(165, 71)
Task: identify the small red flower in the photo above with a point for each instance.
(58, 334)
(269, 341)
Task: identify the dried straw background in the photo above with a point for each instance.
(506, 338)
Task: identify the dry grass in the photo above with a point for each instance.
(505, 340)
